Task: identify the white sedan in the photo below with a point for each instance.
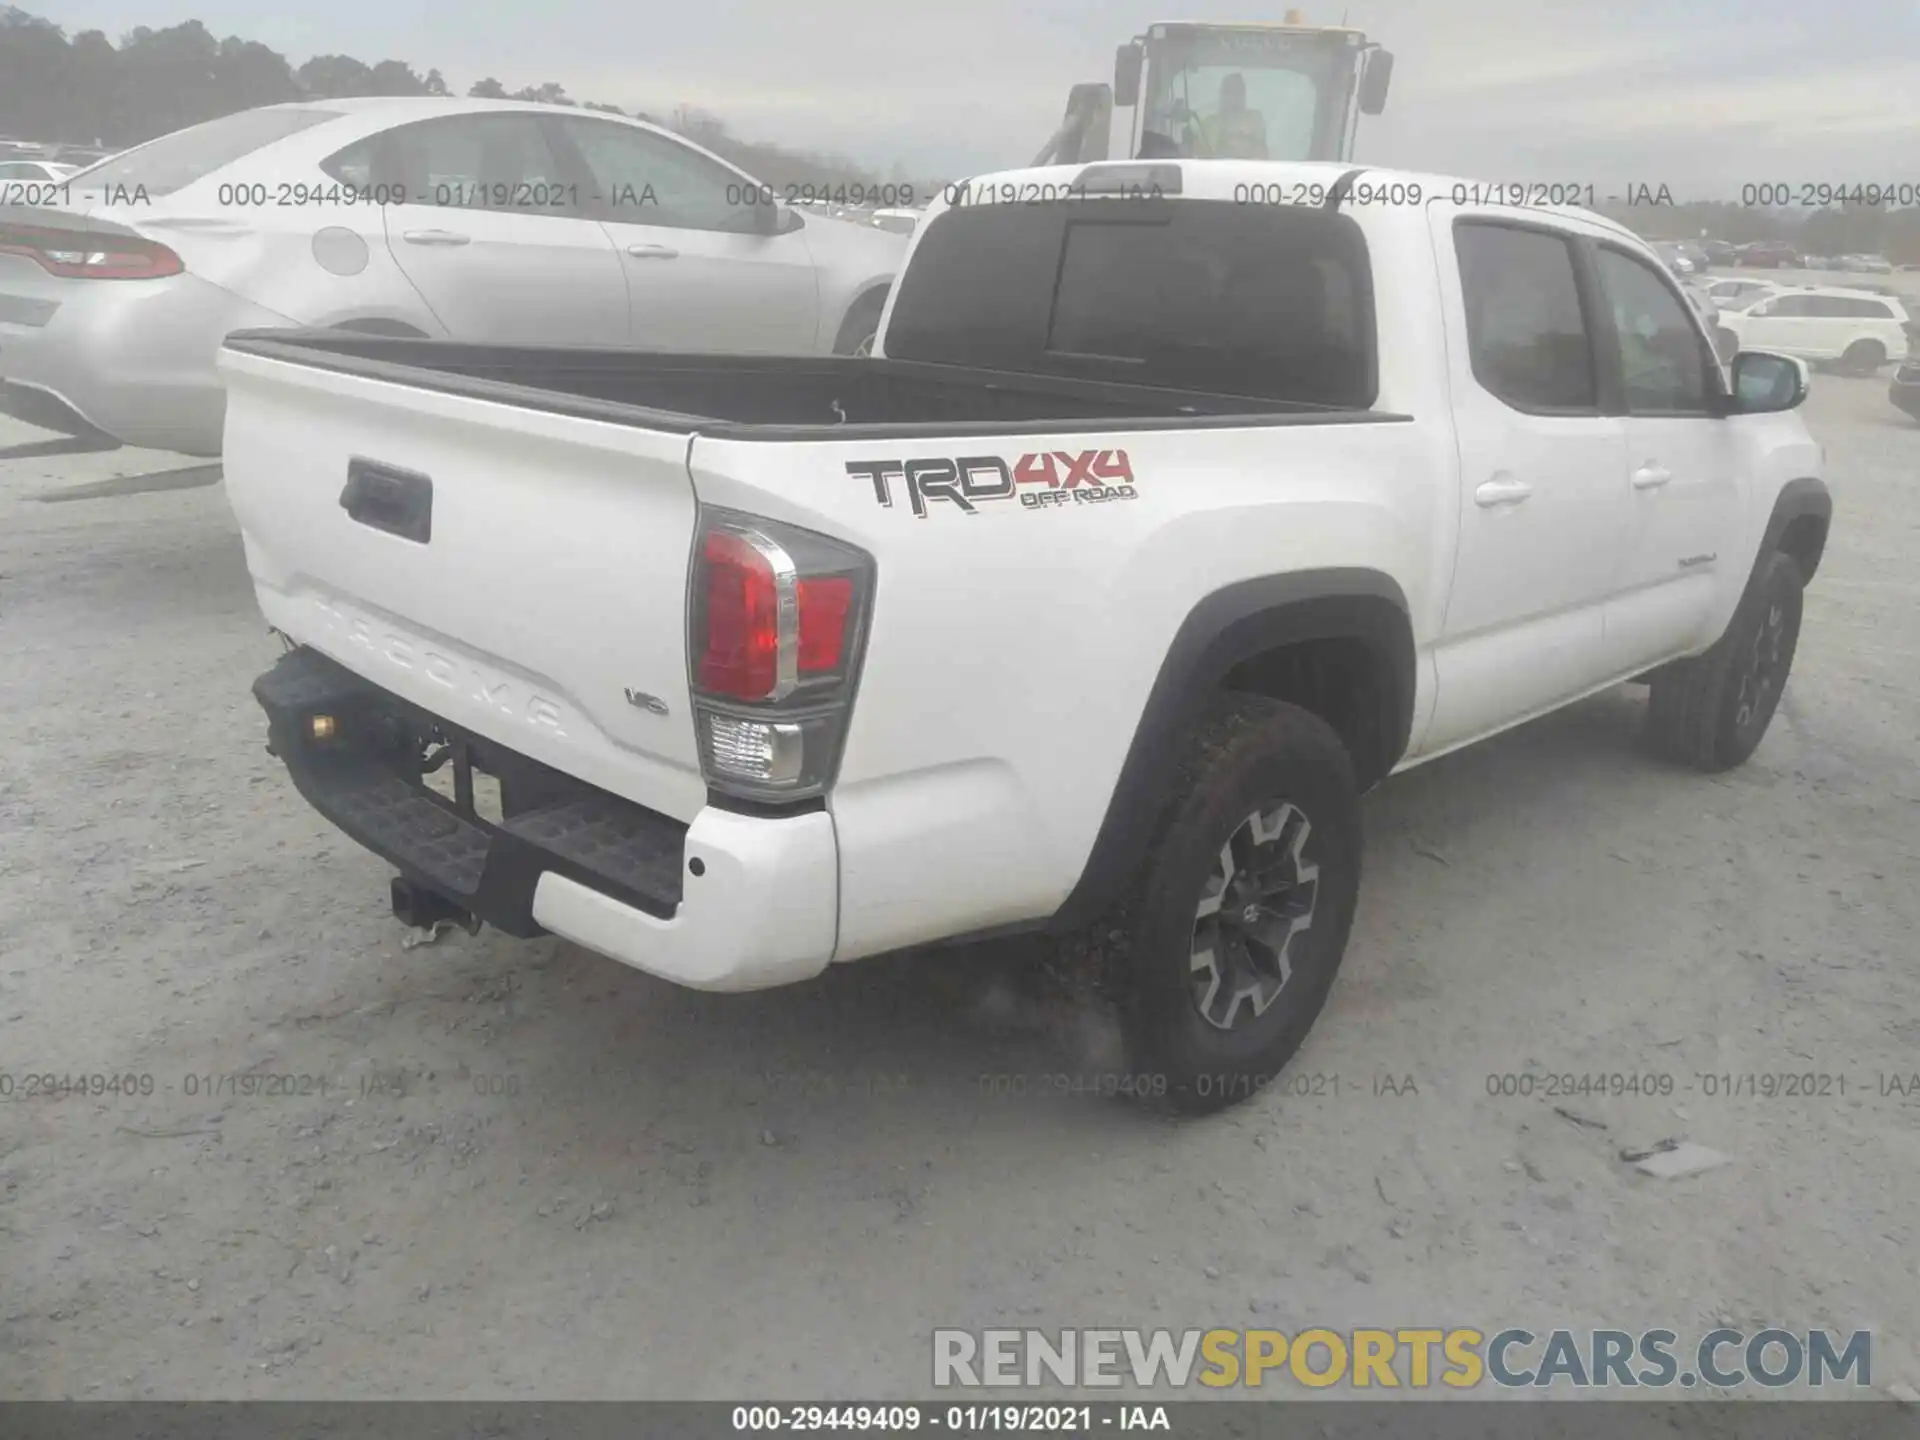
(500, 222)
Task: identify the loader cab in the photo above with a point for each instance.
(1273, 92)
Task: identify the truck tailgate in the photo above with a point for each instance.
(520, 573)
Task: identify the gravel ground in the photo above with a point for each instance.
(534, 1172)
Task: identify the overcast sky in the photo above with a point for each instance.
(1700, 94)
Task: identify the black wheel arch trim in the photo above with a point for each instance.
(1798, 500)
(1228, 626)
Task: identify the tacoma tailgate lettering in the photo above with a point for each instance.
(496, 692)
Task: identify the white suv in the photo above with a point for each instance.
(1858, 328)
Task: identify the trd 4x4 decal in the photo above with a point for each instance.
(968, 482)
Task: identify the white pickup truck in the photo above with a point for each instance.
(1184, 502)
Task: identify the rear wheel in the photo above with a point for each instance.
(861, 327)
(1863, 357)
(1239, 917)
(1710, 712)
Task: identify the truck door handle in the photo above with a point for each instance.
(1651, 476)
(435, 237)
(652, 252)
(1501, 492)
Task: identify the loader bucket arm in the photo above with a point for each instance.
(1083, 130)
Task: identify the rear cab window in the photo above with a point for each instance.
(176, 161)
(1269, 302)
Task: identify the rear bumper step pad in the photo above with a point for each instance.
(361, 779)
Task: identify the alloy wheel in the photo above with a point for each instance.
(1763, 674)
(1258, 898)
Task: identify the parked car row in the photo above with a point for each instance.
(1682, 257)
(1854, 264)
(498, 222)
(1691, 257)
(1767, 255)
(68, 157)
(898, 220)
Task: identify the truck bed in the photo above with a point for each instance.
(775, 398)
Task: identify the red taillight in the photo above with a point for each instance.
(90, 255)
(775, 621)
(742, 654)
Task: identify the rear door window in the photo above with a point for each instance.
(1527, 334)
(499, 161)
(176, 161)
(1273, 302)
(1867, 309)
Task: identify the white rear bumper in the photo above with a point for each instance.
(760, 910)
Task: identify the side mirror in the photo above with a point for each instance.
(1374, 81)
(1765, 384)
(1126, 74)
(773, 219)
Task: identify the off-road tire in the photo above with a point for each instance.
(1863, 358)
(862, 325)
(1711, 711)
(1248, 759)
